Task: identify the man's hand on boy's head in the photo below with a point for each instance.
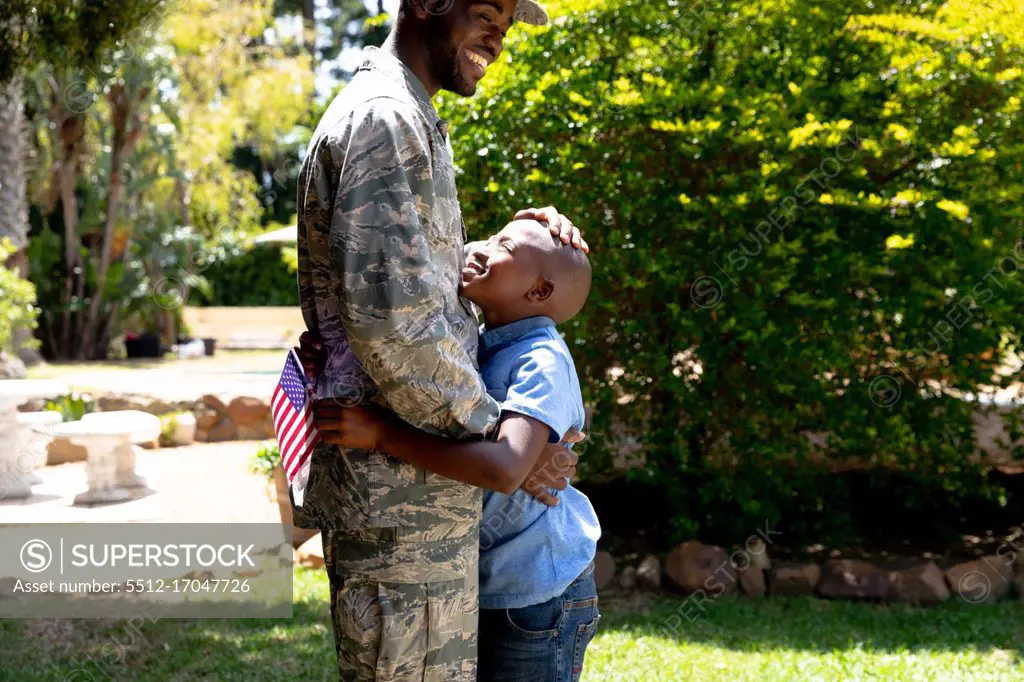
(559, 225)
(555, 464)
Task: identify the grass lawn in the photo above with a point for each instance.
(735, 639)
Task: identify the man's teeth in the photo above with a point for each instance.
(477, 59)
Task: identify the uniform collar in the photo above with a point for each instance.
(493, 339)
(391, 67)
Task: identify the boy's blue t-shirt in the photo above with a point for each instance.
(529, 552)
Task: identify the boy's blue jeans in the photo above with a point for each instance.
(541, 643)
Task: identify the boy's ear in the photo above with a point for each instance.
(541, 291)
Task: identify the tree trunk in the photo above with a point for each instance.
(13, 204)
(309, 29)
(13, 199)
(124, 106)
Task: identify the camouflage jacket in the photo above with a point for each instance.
(380, 249)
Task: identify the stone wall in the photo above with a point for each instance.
(207, 420)
(706, 572)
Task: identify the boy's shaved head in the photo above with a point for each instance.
(569, 268)
(524, 271)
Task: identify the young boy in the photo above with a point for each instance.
(538, 599)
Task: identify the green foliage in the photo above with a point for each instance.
(17, 301)
(168, 427)
(265, 460)
(261, 276)
(67, 33)
(149, 132)
(807, 223)
(72, 406)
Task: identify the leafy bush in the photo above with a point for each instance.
(17, 301)
(806, 220)
(265, 460)
(260, 276)
(72, 407)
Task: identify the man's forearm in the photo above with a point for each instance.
(481, 463)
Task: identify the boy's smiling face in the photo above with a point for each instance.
(504, 268)
(515, 274)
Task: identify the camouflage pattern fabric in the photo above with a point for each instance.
(389, 629)
(380, 248)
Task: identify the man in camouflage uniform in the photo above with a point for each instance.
(380, 258)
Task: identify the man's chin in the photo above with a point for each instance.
(461, 86)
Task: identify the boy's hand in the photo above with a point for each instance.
(555, 464)
(351, 427)
(311, 355)
(559, 225)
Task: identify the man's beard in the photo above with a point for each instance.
(447, 67)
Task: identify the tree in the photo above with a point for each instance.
(62, 34)
(136, 154)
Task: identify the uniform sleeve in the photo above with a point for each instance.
(386, 282)
(538, 389)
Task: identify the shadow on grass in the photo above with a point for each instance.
(815, 625)
(226, 649)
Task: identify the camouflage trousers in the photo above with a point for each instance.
(403, 611)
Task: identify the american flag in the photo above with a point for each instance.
(294, 425)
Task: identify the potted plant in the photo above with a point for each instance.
(267, 463)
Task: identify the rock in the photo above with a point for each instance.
(983, 581)
(793, 580)
(215, 403)
(604, 570)
(757, 552)
(158, 408)
(648, 573)
(30, 356)
(178, 430)
(752, 581)
(246, 411)
(311, 553)
(694, 566)
(224, 431)
(627, 579)
(206, 416)
(262, 430)
(120, 402)
(924, 585)
(851, 579)
(11, 367)
(34, 405)
(62, 451)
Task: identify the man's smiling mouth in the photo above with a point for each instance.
(479, 61)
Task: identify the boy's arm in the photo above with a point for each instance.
(502, 465)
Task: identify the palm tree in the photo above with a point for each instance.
(13, 204)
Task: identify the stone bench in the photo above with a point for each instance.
(109, 439)
(19, 448)
(35, 429)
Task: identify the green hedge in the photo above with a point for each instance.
(806, 219)
(257, 277)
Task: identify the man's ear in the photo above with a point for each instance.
(541, 291)
(420, 9)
